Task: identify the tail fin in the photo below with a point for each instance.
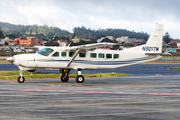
(154, 43)
(155, 40)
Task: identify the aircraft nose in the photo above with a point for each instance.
(10, 59)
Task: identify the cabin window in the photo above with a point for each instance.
(101, 55)
(71, 54)
(56, 54)
(45, 51)
(82, 55)
(116, 56)
(93, 55)
(108, 56)
(63, 54)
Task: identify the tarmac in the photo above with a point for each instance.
(118, 98)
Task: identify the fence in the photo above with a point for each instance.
(170, 58)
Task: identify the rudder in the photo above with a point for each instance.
(155, 39)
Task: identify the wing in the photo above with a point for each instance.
(89, 46)
(85, 48)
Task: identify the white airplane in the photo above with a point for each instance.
(89, 57)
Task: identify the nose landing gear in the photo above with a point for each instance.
(79, 78)
(21, 79)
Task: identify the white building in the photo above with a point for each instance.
(124, 39)
(102, 38)
(178, 45)
(110, 37)
(2, 41)
(62, 42)
(99, 40)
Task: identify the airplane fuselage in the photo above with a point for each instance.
(97, 59)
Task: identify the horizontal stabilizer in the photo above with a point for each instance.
(153, 53)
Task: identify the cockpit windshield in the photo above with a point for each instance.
(45, 51)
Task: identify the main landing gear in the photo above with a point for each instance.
(65, 76)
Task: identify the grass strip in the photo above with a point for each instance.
(27, 75)
(2, 73)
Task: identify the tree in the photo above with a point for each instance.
(107, 40)
(11, 36)
(83, 32)
(56, 38)
(145, 38)
(16, 33)
(64, 38)
(6, 43)
(33, 29)
(1, 33)
(40, 36)
(51, 43)
(167, 38)
(74, 35)
(50, 35)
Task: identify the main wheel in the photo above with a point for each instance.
(64, 78)
(21, 79)
(79, 79)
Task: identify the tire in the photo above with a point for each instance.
(21, 80)
(79, 79)
(64, 78)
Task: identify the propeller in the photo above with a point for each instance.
(10, 58)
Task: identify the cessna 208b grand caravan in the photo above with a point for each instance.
(89, 57)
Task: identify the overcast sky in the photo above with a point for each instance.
(137, 15)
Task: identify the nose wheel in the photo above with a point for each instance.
(21, 79)
(79, 78)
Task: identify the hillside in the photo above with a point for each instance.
(20, 30)
(88, 33)
(82, 32)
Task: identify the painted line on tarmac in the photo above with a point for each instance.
(134, 86)
(90, 92)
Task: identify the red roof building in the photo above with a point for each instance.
(29, 41)
(21, 38)
(13, 42)
(175, 41)
(138, 40)
(62, 42)
(42, 43)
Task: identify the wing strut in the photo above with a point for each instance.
(77, 52)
